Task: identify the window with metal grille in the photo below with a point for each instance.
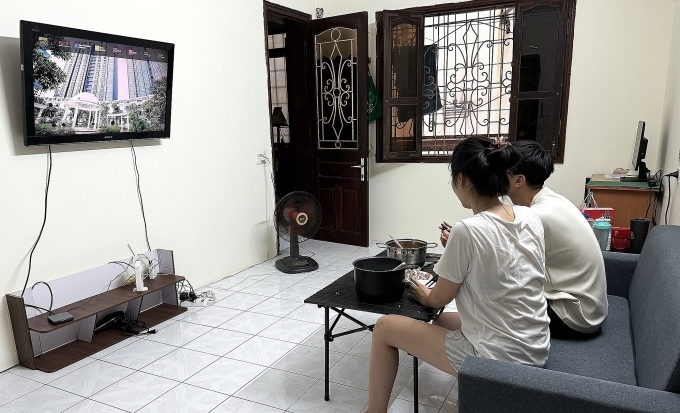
(484, 68)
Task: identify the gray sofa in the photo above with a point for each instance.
(632, 366)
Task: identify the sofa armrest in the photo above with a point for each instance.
(493, 386)
(619, 267)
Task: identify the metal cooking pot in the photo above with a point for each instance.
(411, 251)
(376, 281)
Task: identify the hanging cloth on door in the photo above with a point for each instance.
(431, 100)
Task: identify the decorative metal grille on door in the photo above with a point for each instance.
(336, 84)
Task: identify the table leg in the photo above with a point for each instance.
(326, 338)
(415, 384)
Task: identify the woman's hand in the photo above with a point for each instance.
(445, 228)
(419, 292)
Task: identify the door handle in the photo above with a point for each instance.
(362, 167)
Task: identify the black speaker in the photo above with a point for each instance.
(639, 227)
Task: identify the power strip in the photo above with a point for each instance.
(190, 296)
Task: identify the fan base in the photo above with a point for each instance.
(295, 265)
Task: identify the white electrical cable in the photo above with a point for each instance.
(266, 202)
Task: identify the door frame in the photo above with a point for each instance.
(285, 17)
(295, 23)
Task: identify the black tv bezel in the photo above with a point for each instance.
(26, 45)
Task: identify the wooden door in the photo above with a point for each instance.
(339, 72)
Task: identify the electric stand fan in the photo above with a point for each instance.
(297, 217)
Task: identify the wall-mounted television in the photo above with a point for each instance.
(85, 86)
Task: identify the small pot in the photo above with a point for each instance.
(412, 251)
(376, 281)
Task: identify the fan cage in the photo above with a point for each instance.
(289, 208)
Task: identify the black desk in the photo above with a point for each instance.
(340, 296)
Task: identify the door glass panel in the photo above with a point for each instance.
(539, 49)
(279, 97)
(402, 128)
(335, 54)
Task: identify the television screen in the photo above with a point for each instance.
(83, 86)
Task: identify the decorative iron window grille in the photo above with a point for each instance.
(467, 77)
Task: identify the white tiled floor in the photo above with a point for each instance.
(259, 348)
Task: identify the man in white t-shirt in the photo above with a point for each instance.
(576, 286)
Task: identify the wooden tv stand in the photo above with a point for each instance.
(75, 340)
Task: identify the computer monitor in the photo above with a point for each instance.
(638, 155)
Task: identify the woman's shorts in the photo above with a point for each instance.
(457, 348)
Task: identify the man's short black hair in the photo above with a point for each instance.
(536, 163)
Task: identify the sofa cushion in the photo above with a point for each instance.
(607, 356)
(654, 298)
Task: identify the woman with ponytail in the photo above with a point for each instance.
(493, 265)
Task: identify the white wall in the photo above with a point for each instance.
(204, 196)
(619, 66)
(670, 133)
(618, 78)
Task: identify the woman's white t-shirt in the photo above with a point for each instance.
(500, 266)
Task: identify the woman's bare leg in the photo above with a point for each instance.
(393, 332)
(450, 321)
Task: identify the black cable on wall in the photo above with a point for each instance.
(47, 190)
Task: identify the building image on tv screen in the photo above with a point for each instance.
(83, 86)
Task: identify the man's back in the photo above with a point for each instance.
(576, 285)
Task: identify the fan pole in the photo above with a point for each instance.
(294, 246)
